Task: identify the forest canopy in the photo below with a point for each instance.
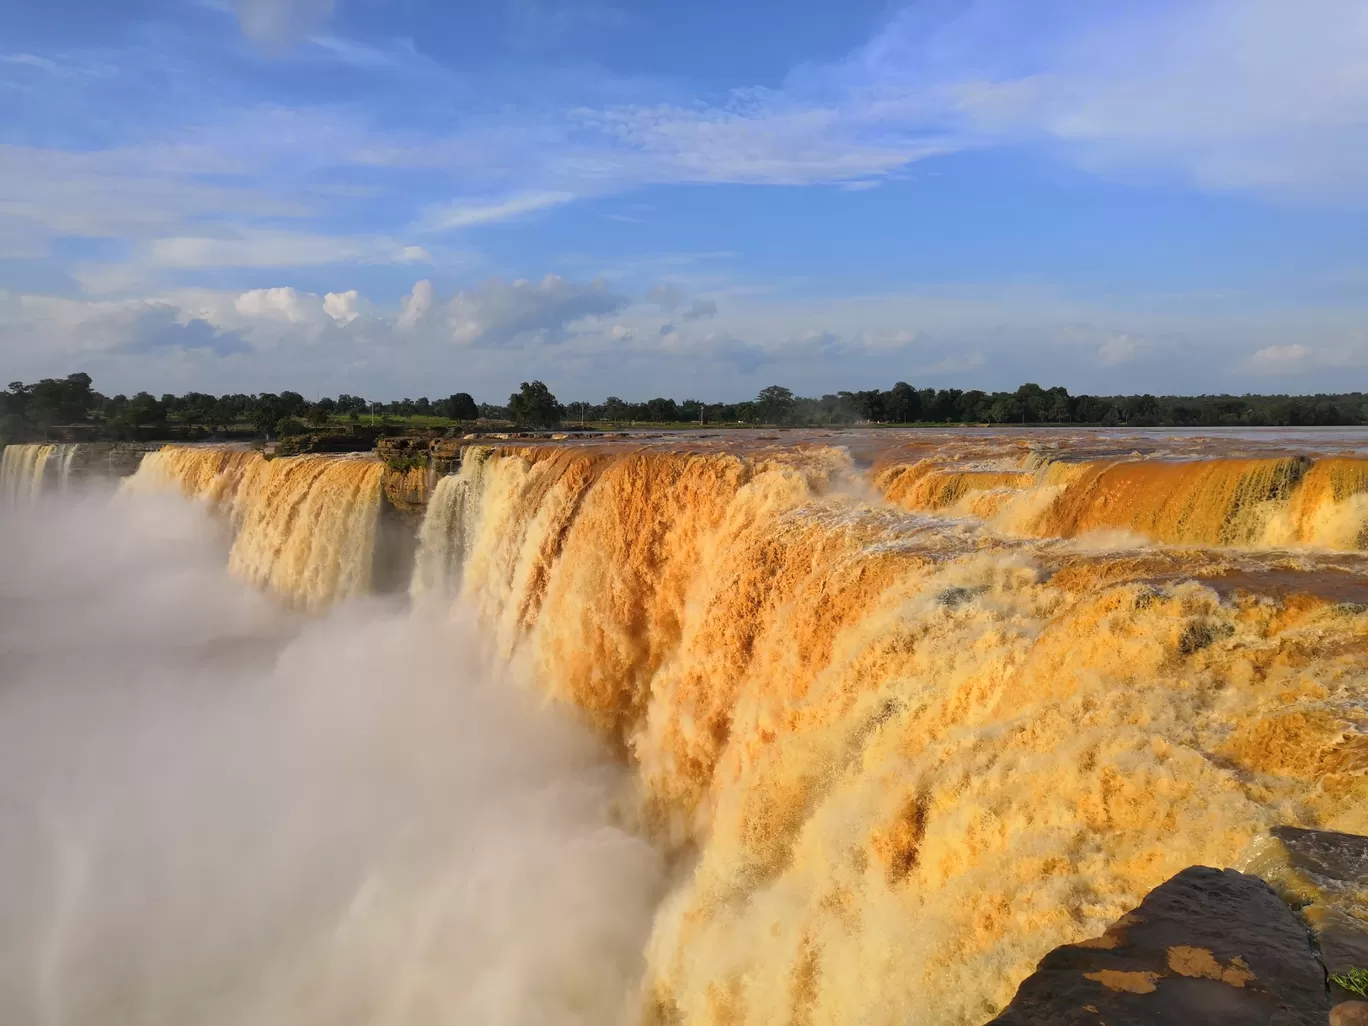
(70, 407)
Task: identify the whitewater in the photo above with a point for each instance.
(744, 730)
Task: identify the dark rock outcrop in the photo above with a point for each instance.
(1208, 946)
(1331, 862)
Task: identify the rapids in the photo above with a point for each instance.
(908, 710)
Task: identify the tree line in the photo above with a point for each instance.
(70, 407)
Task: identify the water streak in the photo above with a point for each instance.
(448, 528)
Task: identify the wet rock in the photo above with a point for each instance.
(1208, 946)
(1331, 863)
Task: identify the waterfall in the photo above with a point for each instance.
(303, 526)
(448, 528)
(905, 738)
(29, 471)
(1253, 502)
(913, 753)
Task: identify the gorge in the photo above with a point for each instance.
(902, 711)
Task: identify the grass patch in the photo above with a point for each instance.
(1355, 981)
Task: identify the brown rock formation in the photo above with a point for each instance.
(1207, 946)
(1351, 1013)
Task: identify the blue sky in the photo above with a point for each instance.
(404, 197)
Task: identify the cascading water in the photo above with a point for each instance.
(28, 471)
(912, 753)
(447, 529)
(897, 750)
(1253, 502)
(304, 526)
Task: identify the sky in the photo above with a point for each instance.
(397, 198)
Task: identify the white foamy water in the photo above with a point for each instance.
(214, 812)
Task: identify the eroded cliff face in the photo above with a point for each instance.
(911, 754)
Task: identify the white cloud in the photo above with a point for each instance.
(1245, 94)
(343, 307)
(416, 306)
(1118, 349)
(275, 249)
(587, 341)
(499, 312)
(1288, 359)
(285, 304)
(134, 192)
(31, 60)
(465, 213)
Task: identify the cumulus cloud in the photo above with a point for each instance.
(285, 304)
(342, 307)
(499, 312)
(415, 307)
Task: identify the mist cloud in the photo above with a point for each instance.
(216, 812)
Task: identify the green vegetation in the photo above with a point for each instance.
(533, 405)
(69, 408)
(1355, 981)
(403, 464)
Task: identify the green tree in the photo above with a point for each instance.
(904, 403)
(266, 410)
(144, 410)
(663, 411)
(533, 405)
(774, 405)
(460, 406)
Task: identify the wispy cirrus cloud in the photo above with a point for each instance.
(465, 213)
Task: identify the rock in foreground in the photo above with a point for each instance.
(1209, 946)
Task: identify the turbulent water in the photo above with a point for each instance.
(1181, 494)
(27, 471)
(906, 711)
(303, 526)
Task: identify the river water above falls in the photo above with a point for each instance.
(899, 712)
